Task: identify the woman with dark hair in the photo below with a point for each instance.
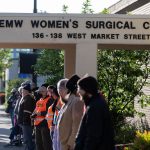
(53, 110)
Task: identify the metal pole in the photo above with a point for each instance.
(34, 76)
(35, 6)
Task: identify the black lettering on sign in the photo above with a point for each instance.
(129, 25)
(88, 24)
(137, 36)
(2, 24)
(43, 24)
(104, 36)
(146, 25)
(35, 23)
(18, 23)
(95, 24)
(11, 23)
(126, 36)
(119, 24)
(110, 25)
(76, 35)
(49, 24)
(75, 24)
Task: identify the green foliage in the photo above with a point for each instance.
(5, 60)
(142, 141)
(15, 83)
(126, 134)
(122, 74)
(51, 64)
(105, 11)
(65, 8)
(86, 7)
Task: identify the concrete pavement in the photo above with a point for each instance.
(5, 125)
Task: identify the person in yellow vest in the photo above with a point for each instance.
(53, 110)
(42, 137)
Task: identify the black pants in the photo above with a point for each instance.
(14, 132)
(42, 138)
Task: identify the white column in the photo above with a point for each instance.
(86, 59)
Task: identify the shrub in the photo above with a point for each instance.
(125, 134)
(142, 141)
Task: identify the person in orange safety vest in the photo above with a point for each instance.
(43, 140)
(53, 110)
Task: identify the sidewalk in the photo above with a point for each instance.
(5, 125)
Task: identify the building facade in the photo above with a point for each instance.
(13, 72)
(130, 6)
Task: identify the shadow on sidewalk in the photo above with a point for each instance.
(5, 142)
(4, 137)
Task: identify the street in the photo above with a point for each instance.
(5, 125)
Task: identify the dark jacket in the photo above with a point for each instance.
(96, 131)
(11, 102)
(26, 108)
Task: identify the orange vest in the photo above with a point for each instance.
(50, 114)
(40, 106)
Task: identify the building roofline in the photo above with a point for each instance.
(124, 6)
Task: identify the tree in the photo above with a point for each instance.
(4, 60)
(86, 7)
(122, 74)
(65, 8)
(50, 63)
(105, 11)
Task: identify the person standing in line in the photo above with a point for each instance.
(42, 137)
(50, 90)
(62, 91)
(15, 130)
(11, 104)
(26, 108)
(34, 91)
(53, 110)
(16, 109)
(69, 122)
(96, 130)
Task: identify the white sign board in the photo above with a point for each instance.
(74, 28)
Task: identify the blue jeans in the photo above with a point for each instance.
(11, 112)
(27, 135)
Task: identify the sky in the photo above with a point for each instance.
(51, 6)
